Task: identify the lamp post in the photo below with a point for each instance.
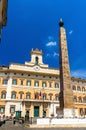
(43, 101)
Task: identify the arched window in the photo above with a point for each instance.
(28, 95)
(44, 96)
(13, 95)
(36, 60)
(50, 95)
(21, 94)
(36, 95)
(84, 99)
(73, 87)
(3, 94)
(75, 99)
(80, 99)
(78, 88)
(83, 89)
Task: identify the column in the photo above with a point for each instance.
(23, 109)
(32, 110)
(41, 110)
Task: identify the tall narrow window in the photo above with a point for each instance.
(5, 81)
(78, 88)
(50, 84)
(12, 109)
(57, 97)
(21, 82)
(21, 95)
(28, 95)
(36, 60)
(13, 95)
(75, 99)
(73, 87)
(28, 83)
(44, 96)
(83, 89)
(36, 83)
(56, 85)
(3, 95)
(50, 96)
(43, 84)
(14, 81)
(2, 109)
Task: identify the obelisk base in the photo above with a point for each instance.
(70, 113)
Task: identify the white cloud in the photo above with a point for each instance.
(71, 31)
(52, 54)
(47, 55)
(55, 54)
(79, 73)
(51, 43)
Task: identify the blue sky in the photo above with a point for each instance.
(34, 24)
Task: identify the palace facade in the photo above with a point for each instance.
(33, 88)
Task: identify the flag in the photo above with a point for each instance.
(40, 93)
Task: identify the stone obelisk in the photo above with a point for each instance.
(66, 93)
(3, 14)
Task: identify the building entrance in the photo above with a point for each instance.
(27, 115)
(36, 111)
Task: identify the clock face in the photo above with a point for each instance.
(37, 68)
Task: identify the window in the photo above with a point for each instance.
(21, 95)
(50, 96)
(81, 111)
(5, 81)
(44, 96)
(79, 89)
(14, 81)
(21, 82)
(56, 85)
(2, 109)
(73, 87)
(43, 84)
(84, 99)
(83, 89)
(3, 95)
(27, 95)
(50, 84)
(36, 95)
(57, 97)
(36, 83)
(80, 99)
(28, 83)
(12, 109)
(36, 60)
(13, 95)
(75, 99)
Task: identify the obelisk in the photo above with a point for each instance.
(66, 93)
(3, 14)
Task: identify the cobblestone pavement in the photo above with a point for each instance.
(10, 126)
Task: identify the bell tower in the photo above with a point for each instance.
(66, 93)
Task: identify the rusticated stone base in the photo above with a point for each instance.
(70, 113)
